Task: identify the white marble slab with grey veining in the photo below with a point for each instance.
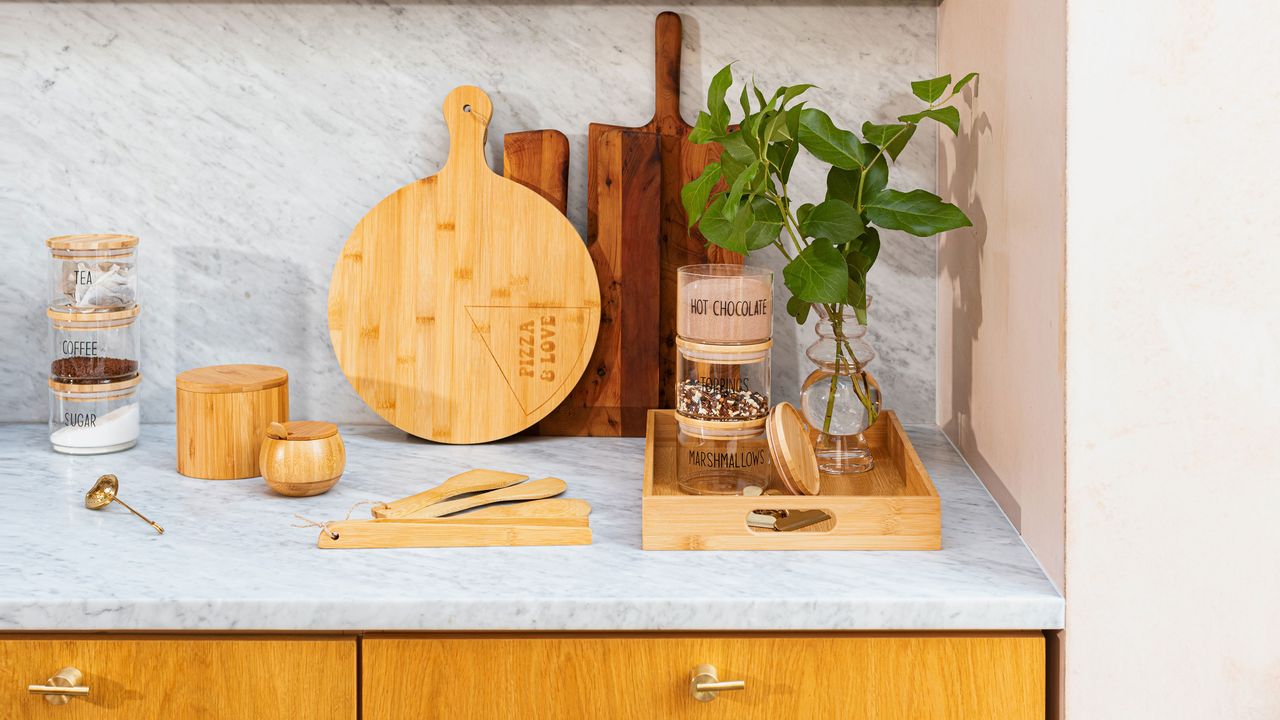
(242, 141)
(230, 558)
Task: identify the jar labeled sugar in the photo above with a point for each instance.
(93, 273)
(94, 419)
(725, 304)
(93, 348)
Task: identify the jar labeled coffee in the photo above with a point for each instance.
(722, 383)
(94, 348)
(724, 304)
(93, 273)
(719, 458)
(94, 419)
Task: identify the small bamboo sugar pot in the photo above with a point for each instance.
(302, 458)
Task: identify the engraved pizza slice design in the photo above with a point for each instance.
(535, 348)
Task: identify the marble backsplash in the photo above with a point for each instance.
(242, 142)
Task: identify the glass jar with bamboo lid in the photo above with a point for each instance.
(93, 272)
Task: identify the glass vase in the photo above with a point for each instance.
(838, 398)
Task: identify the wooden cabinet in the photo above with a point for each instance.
(145, 677)
(865, 677)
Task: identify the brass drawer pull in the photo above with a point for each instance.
(705, 686)
(62, 687)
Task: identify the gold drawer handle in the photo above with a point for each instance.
(705, 686)
(62, 687)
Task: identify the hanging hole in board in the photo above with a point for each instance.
(466, 108)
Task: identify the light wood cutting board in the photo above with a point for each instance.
(464, 306)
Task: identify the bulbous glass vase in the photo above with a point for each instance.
(838, 398)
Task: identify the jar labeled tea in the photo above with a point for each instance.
(93, 348)
(93, 273)
(94, 419)
(722, 458)
(726, 304)
(722, 383)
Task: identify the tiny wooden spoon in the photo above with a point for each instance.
(536, 490)
(467, 482)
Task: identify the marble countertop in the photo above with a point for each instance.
(230, 558)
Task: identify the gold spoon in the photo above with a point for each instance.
(103, 493)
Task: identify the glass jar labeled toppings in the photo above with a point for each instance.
(724, 304)
(718, 458)
(94, 419)
(722, 383)
(94, 348)
(93, 273)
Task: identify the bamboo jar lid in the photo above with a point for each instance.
(792, 450)
(302, 430)
(223, 415)
(92, 241)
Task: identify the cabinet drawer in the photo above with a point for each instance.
(144, 678)
(869, 677)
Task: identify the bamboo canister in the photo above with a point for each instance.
(223, 414)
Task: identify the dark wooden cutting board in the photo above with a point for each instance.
(637, 238)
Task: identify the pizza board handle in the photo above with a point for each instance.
(467, 111)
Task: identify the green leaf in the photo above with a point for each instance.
(716, 104)
(775, 128)
(829, 143)
(918, 212)
(843, 185)
(858, 299)
(759, 95)
(964, 81)
(818, 274)
(739, 187)
(703, 132)
(930, 90)
(744, 100)
(893, 138)
(695, 193)
(863, 253)
(833, 220)
(767, 224)
(876, 180)
(798, 309)
(791, 93)
(726, 226)
(948, 116)
(736, 146)
(802, 212)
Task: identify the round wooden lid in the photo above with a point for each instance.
(95, 387)
(65, 316)
(792, 450)
(231, 378)
(101, 241)
(302, 430)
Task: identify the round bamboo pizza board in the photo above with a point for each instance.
(464, 306)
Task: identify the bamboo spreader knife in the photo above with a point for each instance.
(468, 482)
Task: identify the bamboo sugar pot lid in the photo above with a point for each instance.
(792, 450)
(223, 415)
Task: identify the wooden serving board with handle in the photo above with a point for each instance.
(638, 238)
(464, 306)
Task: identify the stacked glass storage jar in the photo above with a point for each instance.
(94, 343)
(724, 338)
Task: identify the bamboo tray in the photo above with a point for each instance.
(893, 507)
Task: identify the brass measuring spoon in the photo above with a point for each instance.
(103, 493)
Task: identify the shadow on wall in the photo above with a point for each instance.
(958, 185)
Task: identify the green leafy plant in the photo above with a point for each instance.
(741, 203)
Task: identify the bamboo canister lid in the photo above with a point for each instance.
(98, 241)
(218, 379)
(792, 450)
